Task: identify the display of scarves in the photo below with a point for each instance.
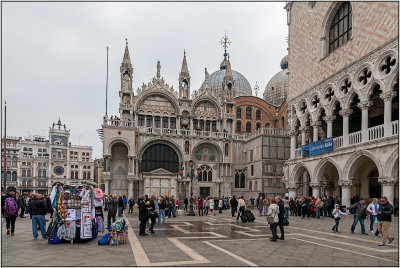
(62, 208)
(86, 214)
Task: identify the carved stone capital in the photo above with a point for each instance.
(345, 182)
(388, 96)
(390, 181)
(346, 112)
(315, 184)
(329, 118)
(291, 132)
(292, 187)
(364, 105)
(316, 123)
(303, 128)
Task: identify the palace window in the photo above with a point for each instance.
(258, 125)
(140, 120)
(214, 126)
(341, 27)
(239, 113)
(149, 121)
(238, 126)
(258, 115)
(173, 122)
(248, 127)
(157, 123)
(165, 122)
(248, 113)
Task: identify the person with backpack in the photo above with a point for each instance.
(360, 213)
(234, 204)
(38, 209)
(336, 215)
(11, 212)
(131, 203)
(273, 211)
(112, 210)
(385, 219)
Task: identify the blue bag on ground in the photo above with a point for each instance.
(103, 240)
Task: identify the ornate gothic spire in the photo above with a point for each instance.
(228, 72)
(126, 61)
(184, 69)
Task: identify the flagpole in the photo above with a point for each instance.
(107, 83)
(5, 145)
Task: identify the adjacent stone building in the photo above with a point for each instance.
(159, 131)
(343, 83)
(34, 164)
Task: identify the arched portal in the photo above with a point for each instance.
(327, 175)
(160, 156)
(119, 169)
(302, 180)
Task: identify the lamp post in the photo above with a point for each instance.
(191, 175)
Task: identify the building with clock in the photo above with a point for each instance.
(160, 131)
(36, 163)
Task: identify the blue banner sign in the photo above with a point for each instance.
(318, 147)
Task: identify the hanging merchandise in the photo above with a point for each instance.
(75, 214)
(100, 224)
(86, 214)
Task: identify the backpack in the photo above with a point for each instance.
(353, 210)
(11, 207)
(104, 239)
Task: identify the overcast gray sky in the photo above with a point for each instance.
(54, 55)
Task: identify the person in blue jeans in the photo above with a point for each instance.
(360, 214)
(37, 208)
(336, 215)
(373, 209)
(162, 204)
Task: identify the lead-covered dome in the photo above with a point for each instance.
(241, 86)
(276, 90)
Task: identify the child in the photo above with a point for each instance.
(336, 215)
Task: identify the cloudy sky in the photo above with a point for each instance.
(54, 55)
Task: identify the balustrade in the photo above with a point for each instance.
(395, 127)
(355, 137)
(338, 142)
(375, 132)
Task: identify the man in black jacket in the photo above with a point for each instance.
(281, 216)
(37, 207)
(234, 204)
(385, 219)
(143, 212)
(21, 204)
(112, 210)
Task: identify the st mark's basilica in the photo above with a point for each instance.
(233, 142)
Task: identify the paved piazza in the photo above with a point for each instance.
(210, 241)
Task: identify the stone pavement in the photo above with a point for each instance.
(211, 241)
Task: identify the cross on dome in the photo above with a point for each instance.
(225, 42)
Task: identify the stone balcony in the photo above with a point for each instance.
(356, 138)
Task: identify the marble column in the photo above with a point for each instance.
(106, 187)
(364, 119)
(130, 188)
(387, 98)
(315, 126)
(303, 135)
(329, 123)
(293, 189)
(315, 189)
(293, 140)
(345, 185)
(345, 113)
(388, 187)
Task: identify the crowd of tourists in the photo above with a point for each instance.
(277, 210)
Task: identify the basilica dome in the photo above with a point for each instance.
(241, 87)
(276, 90)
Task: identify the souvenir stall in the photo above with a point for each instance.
(75, 218)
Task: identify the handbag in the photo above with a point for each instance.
(270, 219)
(285, 221)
